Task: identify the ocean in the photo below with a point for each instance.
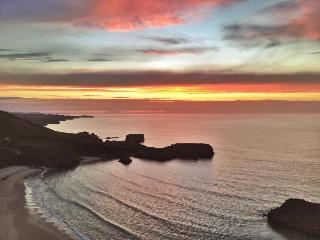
(260, 161)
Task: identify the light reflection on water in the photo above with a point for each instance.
(260, 161)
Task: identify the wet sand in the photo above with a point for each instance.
(15, 221)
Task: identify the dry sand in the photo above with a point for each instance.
(15, 221)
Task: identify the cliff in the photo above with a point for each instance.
(25, 143)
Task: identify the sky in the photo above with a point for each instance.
(168, 50)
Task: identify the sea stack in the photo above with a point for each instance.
(297, 214)
(135, 138)
(125, 160)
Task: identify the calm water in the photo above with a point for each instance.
(260, 161)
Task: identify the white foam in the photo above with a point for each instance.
(35, 205)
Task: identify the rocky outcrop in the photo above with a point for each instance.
(135, 138)
(186, 151)
(125, 160)
(91, 137)
(25, 143)
(297, 214)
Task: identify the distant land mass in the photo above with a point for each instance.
(44, 119)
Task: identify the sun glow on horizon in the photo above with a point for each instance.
(223, 92)
(194, 50)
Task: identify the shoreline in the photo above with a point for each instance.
(15, 220)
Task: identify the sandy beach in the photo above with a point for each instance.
(15, 221)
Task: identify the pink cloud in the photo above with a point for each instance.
(309, 20)
(128, 15)
(303, 18)
(299, 22)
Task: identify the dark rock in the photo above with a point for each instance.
(89, 137)
(110, 138)
(135, 138)
(186, 151)
(125, 160)
(297, 214)
(192, 150)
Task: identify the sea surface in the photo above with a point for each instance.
(260, 161)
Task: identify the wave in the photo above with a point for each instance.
(198, 210)
(201, 229)
(189, 228)
(166, 222)
(201, 190)
(86, 208)
(182, 230)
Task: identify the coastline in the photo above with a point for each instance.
(15, 221)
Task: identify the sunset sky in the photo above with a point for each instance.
(195, 50)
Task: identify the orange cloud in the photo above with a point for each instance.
(127, 15)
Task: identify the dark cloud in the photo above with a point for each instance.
(261, 35)
(6, 50)
(99, 60)
(31, 56)
(113, 54)
(91, 95)
(299, 22)
(169, 40)
(177, 51)
(9, 98)
(315, 53)
(152, 78)
(56, 60)
(25, 56)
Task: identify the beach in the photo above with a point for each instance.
(15, 221)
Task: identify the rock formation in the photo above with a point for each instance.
(186, 151)
(297, 214)
(135, 138)
(125, 160)
(25, 143)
